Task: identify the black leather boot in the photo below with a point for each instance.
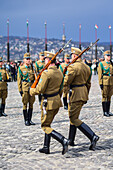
(62, 140)
(105, 109)
(3, 108)
(30, 111)
(90, 134)
(45, 148)
(0, 112)
(72, 133)
(65, 103)
(39, 98)
(26, 119)
(108, 105)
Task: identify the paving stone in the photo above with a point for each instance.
(19, 144)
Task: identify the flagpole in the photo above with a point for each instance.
(27, 36)
(110, 42)
(80, 36)
(63, 38)
(45, 36)
(8, 55)
(96, 27)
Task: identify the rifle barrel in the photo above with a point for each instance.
(86, 49)
(47, 65)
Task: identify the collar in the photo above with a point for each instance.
(108, 62)
(27, 66)
(52, 67)
(42, 61)
(79, 59)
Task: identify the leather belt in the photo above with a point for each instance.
(79, 85)
(28, 81)
(50, 95)
(3, 80)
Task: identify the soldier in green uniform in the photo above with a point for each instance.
(78, 78)
(25, 79)
(49, 85)
(105, 76)
(65, 91)
(4, 77)
(39, 65)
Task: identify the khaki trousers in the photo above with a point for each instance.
(74, 112)
(3, 95)
(46, 120)
(26, 98)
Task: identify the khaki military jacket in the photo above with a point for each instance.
(50, 83)
(3, 79)
(39, 65)
(25, 78)
(78, 74)
(105, 73)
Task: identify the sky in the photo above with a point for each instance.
(55, 13)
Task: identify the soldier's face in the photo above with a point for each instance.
(66, 60)
(46, 60)
(107, 57)
(73, 56)
(27, 61)
(1, 63)
(42, 58)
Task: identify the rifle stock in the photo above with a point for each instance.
(47, 65)
(86, 49)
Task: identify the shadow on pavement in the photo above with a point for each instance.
(82, 147)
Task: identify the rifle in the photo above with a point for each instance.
(86, 49)
(47, 65)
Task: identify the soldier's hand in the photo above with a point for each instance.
(30, 89)
(21, 92)
(101, 86)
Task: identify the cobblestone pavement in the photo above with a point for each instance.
(19, 144)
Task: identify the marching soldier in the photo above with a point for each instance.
(66, 91)
(4, 77)
(78, 78)
(105, 75)
(51, 102)
(95, 64)
(25, 79)
(39, 65)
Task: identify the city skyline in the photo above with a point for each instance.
(55, 13)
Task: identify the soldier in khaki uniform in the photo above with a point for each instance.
(4, 77)
(25, 79)
(51, 102)
(105, 76)
(65, 91)
(39, 65)
(78, 78)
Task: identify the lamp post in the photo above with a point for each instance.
(110, 42)
(96, 27)
(45, 36)
(80, 36)
(27, 36)
(8, 54)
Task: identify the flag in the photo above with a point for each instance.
(109, 26)
(96, 26)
